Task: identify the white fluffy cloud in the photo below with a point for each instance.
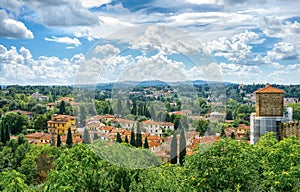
(18, 67)
(236, 49)
(284, 51)
(94, 3)
(240, 73)
(13, 28)
(106, 50)
(279, 27)
(54, 13)
(66, 40)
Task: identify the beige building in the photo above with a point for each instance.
(59, 124)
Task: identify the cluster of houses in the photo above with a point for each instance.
(108, 126)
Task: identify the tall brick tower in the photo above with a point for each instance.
(269, 112)
(269, 102)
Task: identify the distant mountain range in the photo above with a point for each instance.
(154, 83)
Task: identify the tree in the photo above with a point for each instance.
(86, 137)
(202, 126)
(2, 135)
(119, 139)
(126, 139)
(146, 145)
(69, 141)
(40, 122)
(39, 109)
(119, 107)
(62, 107)
(13, 181)
(58, 143)
(95, 136)
(174, 152)
(134, 108)
(232, 135)
(138, 141)
(182, 146)
(15, 122)
(132, 138)
(229, 115)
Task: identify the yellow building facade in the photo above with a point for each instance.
(59, 124)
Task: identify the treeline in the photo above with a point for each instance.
(226, 165)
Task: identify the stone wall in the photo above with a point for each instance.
(269, 104)
(291, 129)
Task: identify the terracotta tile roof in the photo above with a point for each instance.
(153, 144)
(120, 120)
(117, 130)
(75, 139)
(190, 152)
(93, 123)
(35, 135)
(151, 122)
(46, 136)
(209, 139)
(57, 116)
(93, 118)
(51, 104)
(22, 112)
(126, 132)
(154, 137)
(167, 124)
(269, 89)
(106, 128)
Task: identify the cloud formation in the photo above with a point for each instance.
(18, 67)
(13, 28)
(66, 40)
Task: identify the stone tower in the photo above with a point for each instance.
(269, 102)
(269, 113)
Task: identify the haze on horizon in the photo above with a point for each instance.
(106, 41)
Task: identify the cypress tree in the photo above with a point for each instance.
(119, 107)
(182, 146)
(126, 139)
(139, 140)
(146, 145)
(173, 152)
(232, 135)
(62, 107)
(132, 139)
(95, 136)
(86, 137)
(119, 139)
(69, 141)
(7, 134)
(3, 138)
(58, 143)
(223, 134)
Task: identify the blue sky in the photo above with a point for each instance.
(81, 41)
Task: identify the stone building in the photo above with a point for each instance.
(269, 113)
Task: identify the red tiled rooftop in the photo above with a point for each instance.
(269, 89)
(153, 144)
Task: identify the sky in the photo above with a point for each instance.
(62, 42)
